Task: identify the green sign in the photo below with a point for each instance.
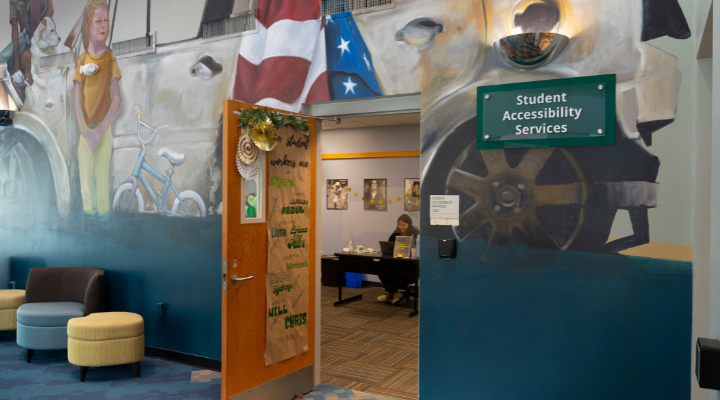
(559, 112)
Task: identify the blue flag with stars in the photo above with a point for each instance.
(350, 70)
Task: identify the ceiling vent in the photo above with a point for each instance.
(331, 7)
(237, 24)
(66, 59)
(134, 47)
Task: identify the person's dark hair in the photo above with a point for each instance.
(411, 229)
(406, 219)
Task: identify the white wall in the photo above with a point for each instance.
(368, 227)
(173, 20)
(715, 208)
(702, 207)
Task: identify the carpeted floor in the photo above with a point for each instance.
(369, 352)
(369, 346)
(49, 376)
(328, 392)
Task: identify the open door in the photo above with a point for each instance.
(265, 317)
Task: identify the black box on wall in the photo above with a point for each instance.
(707, 363)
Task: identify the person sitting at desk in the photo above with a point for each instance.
(391, 283)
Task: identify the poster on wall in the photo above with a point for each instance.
(412, 194)
(337, 194)
(288, 221)
(375, 194)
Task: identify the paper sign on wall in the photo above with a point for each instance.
(288, 248)
(445, 210)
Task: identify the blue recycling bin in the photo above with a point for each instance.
(353, 280)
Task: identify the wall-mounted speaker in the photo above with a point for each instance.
(707, 363)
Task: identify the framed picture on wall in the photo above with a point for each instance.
(375, 194)
(337, 194)
(252, 194)
(412, 194)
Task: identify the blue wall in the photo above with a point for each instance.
(148, 259)
(504, 322)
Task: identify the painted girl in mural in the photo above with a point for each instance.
(97, 100)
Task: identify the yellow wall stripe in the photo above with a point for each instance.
(387, 154)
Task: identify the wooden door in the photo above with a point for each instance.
(245, 312)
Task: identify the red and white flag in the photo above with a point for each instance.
(284, 64)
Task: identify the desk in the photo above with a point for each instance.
(378, 264)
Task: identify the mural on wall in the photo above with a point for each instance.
(56, 163)
(97, 100)
(451, 44)
(103, 155)
(611, 178)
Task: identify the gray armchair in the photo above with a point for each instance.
(52, 297)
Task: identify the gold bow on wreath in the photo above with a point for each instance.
(263, 134)
(262, 126)
(262, 121)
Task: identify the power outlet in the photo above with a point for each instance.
(161, 308)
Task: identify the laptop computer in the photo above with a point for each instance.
(387, 248)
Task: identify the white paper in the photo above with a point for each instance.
(445, 221)
(445, 207)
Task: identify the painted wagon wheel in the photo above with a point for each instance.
(16, 174)
(502, 203)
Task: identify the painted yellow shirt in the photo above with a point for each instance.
(96, 88)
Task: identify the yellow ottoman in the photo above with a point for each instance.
(10, 301)
(104, 339)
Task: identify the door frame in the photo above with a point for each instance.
(250, 378)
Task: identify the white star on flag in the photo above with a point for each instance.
(367, 62)
(349, 86)
(343, 46)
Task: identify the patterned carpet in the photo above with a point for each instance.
(369, 346)
(327, 392)
(51, 377)
(369, 352)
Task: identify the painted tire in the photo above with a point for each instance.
(126, 188)
(188, 197)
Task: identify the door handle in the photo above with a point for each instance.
(235, 279)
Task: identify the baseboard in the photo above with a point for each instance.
(183, 358)
(8, 336)
(372, 284)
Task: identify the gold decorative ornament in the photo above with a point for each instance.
(247, 151)
(263, 134)
(249, 117)
(246, 158)
(247, 171)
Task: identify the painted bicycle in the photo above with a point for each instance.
(128, 198)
